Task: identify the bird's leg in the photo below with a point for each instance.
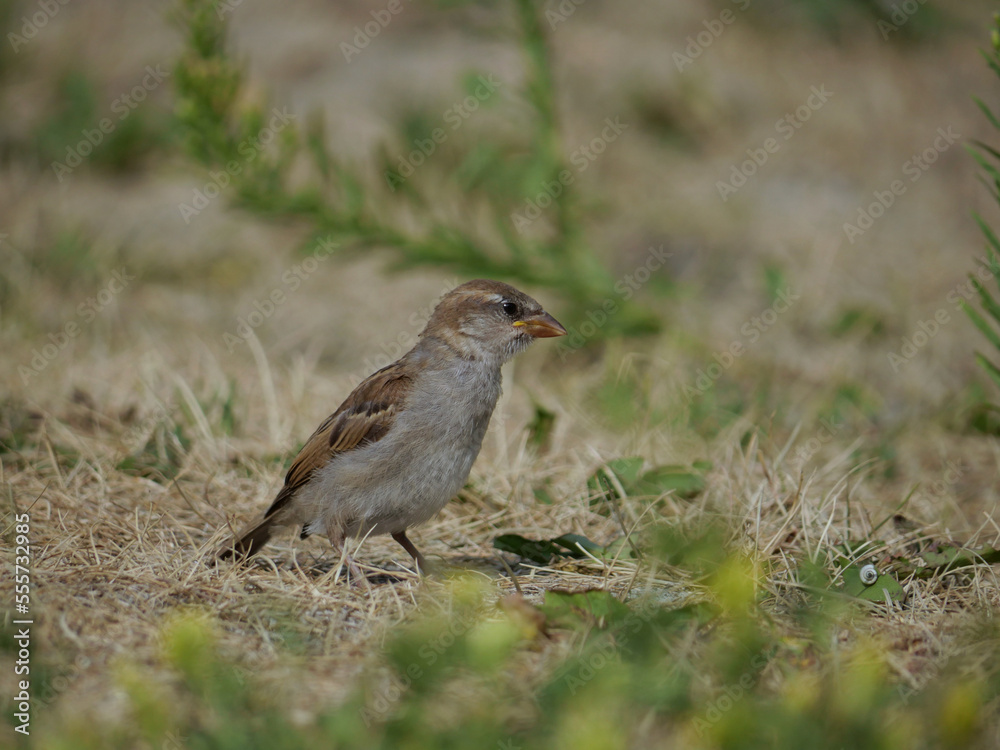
(336, 537)
(405, 543)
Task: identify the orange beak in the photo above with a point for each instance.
(542, 326)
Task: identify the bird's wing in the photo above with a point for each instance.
(364, 417)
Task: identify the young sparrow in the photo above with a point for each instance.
(403, 443)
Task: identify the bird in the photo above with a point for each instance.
(402, 444)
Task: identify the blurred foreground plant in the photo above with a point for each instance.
(731, 663)
(298, 177)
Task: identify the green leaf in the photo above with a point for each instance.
(543, 496)
(602, 483)
(685, 482)
(573, 543)
(540, 427)
(626, 469)
(619, 549)
(945, 556)
(544, 550)
(884, 585)
(682, 482)
(539, 552)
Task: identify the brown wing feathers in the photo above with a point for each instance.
(363, 418)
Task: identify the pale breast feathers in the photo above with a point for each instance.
(364, 418)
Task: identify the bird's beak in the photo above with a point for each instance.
(541, 326)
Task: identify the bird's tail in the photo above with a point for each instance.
(249, 541)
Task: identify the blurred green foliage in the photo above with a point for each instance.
(731, 665)
(901, 21)
(160, 457)
(18, 428)
(631, 477)
(137, 130)
(862, 322)
(69, 260)
(399, 209)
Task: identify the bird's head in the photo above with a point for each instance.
(484, 319)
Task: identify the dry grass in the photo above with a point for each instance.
(137, 448)
(117, 554)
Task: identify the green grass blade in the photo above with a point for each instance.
(991, 369)
(981, 324)
(987, 111)
(991, 236)
(989, 304)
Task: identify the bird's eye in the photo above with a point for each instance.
(509, 309)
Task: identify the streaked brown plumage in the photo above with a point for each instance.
(403, 442)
